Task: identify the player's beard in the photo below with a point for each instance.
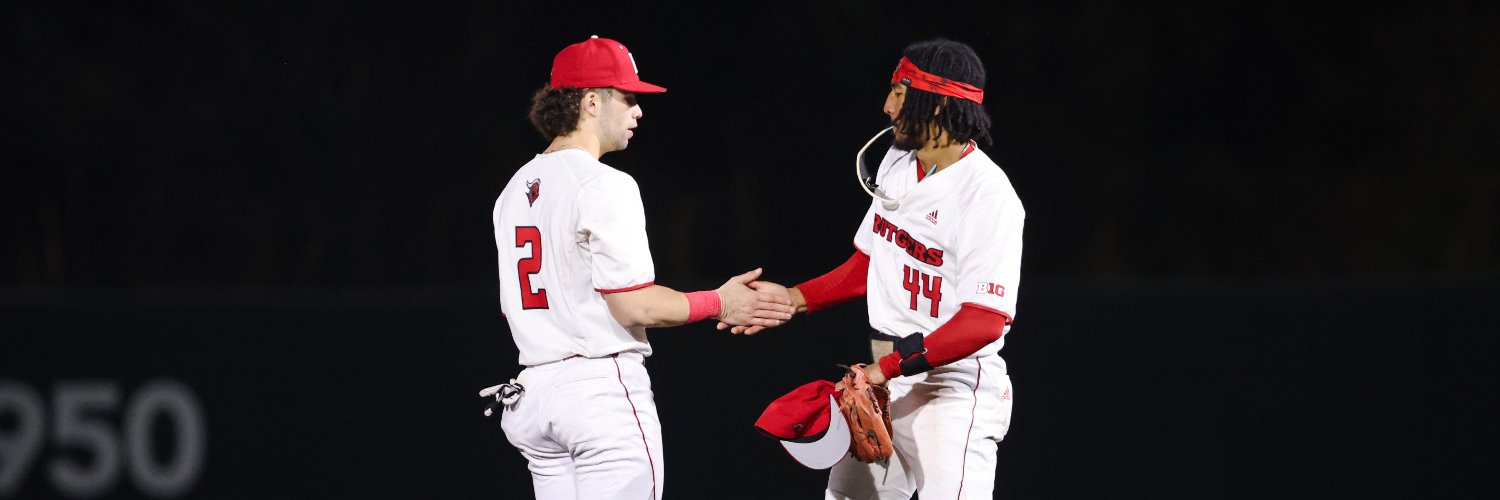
(905, 142)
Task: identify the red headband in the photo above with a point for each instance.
(909, 75)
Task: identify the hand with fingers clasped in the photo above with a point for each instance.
(745, 305)
(775, 293)
(872, 374)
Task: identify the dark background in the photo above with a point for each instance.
(1262, 241)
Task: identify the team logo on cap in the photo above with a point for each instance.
(533, 190)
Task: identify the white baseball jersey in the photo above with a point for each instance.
(569, 229)
(954, 239)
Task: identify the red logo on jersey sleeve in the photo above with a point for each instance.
(533, 190)
(995, 289)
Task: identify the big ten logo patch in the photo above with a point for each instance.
(995, 289)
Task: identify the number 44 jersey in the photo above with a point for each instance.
(954, 239)
(570, 229)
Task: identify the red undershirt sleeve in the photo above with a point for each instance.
(968, 331)
(842, 284)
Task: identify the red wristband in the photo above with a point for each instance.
(702, 304)
(890, 365)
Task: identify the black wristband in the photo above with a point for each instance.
(915, 364)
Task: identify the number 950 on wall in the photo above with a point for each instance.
(85, 436)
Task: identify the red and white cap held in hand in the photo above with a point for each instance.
(809, 425)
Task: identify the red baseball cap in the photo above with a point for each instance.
(809, 425)
(597, 63)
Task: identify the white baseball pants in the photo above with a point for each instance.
(588, 429)
(947, 424)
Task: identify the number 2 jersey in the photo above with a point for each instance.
(570, 229)
(955, 239)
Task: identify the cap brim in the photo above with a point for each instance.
(828, 450)
(641, 87)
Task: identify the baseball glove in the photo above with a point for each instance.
(867, 409)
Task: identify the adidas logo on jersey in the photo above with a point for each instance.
(932, 217)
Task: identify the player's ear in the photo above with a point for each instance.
(590, 103)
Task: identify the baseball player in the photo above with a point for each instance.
(577, 290)
(939, 263)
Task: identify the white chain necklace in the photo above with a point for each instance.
(562, 147)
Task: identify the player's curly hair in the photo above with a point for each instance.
(554, 111)
(963, 119)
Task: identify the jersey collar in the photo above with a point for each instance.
(922, 172)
